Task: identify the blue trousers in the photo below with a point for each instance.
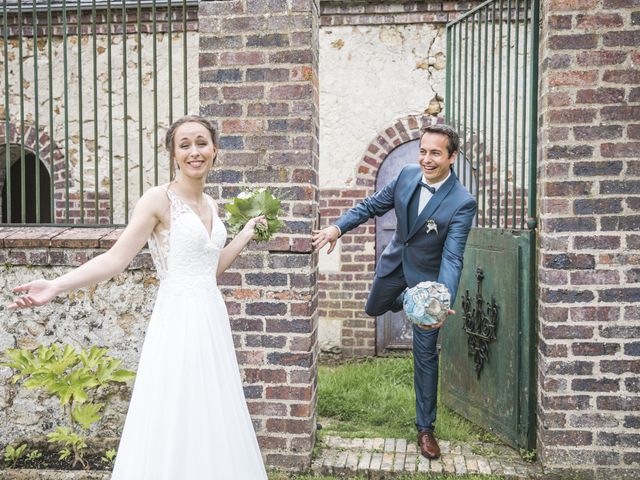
(385, 295)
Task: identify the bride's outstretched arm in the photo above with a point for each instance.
(144, 219)
(235, 246)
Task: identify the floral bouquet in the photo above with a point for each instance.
(253, 203)
(427, 303)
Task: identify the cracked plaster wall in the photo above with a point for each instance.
(371, 76)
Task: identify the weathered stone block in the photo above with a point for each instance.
(569, 261)
(593, 169)
(595, 385)
(570, 152)
(573, 42)
(597, 206)
(621, 38)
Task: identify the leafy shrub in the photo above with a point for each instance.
(13, 454)
(83, 382)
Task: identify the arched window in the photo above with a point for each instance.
(15, 209)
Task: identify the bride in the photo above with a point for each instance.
(188, 419)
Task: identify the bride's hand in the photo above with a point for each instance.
(250, 228)
(34, 294)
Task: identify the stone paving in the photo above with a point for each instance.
(382, 458)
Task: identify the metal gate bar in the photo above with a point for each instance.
(31, 22)
(492, 57)
(495, 109)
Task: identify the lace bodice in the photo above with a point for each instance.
(186, 251)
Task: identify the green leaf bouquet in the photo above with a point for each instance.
(250, 204)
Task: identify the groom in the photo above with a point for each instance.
(434, 215)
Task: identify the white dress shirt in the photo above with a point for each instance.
(425, 195)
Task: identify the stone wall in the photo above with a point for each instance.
(589, 204)
(113, 314)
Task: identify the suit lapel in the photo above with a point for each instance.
(432, 205)
(406, 200)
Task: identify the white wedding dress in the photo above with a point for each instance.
(188, 419)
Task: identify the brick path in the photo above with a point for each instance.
(380, 458)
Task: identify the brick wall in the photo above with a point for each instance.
(258, 77)
(101, 21)
(589, 173)
(397, 12)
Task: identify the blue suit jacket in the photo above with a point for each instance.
(423, 256)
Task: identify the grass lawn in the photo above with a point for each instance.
(375, 398)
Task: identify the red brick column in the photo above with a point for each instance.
(589, 208)
(258, 81)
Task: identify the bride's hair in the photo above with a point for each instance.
(171, 132)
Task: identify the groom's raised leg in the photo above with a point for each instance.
(385, 293)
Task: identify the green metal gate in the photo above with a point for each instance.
(488, 348)
(86, 88)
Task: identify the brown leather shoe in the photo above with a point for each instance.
(428, 445)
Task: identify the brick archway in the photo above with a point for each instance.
(343, 293)
(40, 145)
(402, 131)
(52, 157)
(37, 145)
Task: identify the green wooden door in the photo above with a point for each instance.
(488, 348)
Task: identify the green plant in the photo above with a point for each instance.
(13, 454)
(83, 382)
(250, 204)
(71, 443)
(33, 457)
(109, 457)
(528, 455)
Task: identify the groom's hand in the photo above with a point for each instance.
(436, 325)
(327, 235)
